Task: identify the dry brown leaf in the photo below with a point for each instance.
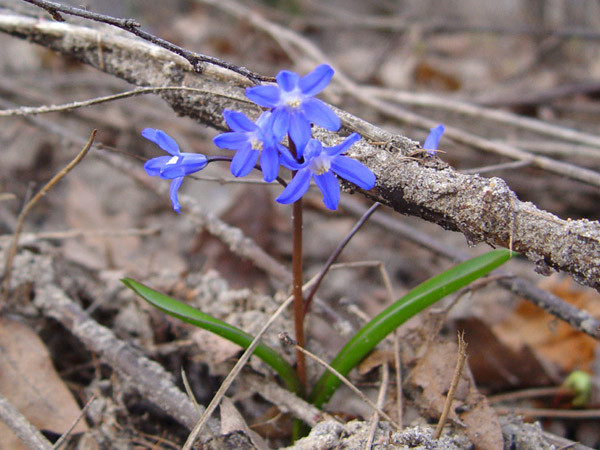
(30, 383)
(432, 376)
(375, 359)
(556, 341)
(500, 367)
(86, 210)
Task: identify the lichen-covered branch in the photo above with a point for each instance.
(483, 209)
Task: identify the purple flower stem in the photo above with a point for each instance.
(297, 281)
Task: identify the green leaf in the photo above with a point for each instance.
(197, 318)
(408, 306)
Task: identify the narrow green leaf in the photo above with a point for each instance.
(391, 318)
(195, 317)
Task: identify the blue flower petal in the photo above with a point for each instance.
(344, 146)
(238, 121)
(269, 163)
(162, 139)
(264, 121)
(432, 141)
(175, 184)
(287, 80)
(153, 166)
(353, 171)
(317, 80)
(287, 160)
(313, 149)
(280, 122)
(265, 96)
(233, 141)
(296, 188)
(320, 114)
(330, 188)
(243, 162)
(186, 164)
(299, 132)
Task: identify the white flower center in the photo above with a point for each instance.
(292, 99)
(293, 103)
(257, 144)
(173, 160)
(320, 165)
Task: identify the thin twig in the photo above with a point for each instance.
(460, 363)
(5, 196)
(80, 416)
(381, 396)
(70, 234)
(192, 397)
(189, 392)
(336, 18)
(550, 413)
(132, 26)
(398, 364)
(493, 115)
(233, 237)
(288, 340)
(239, 365)
(336, 253)
(528, 393)
(497, 167)
(572, 171)
(21, 427)
(31, 203)
(562, 149)
(33, 110)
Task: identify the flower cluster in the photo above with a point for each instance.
(291, 110)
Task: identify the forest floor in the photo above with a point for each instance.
(72, 334)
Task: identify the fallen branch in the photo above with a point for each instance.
(21, 427)
(484, 210)
(148, 377)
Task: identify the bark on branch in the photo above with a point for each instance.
(483, 209)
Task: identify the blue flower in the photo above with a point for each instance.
(294, 107)
(431, 143)
(321, 163)
(173, 167)
(250, 140)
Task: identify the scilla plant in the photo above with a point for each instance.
(290, 111)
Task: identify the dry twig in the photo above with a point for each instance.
(45, 109)
(21, 427)
(285, 338)
(31, 203)
(239, 365)
(80, 416)
(132, 26)
(381, 396)
(460, 363)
